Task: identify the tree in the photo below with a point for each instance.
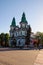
(2, 39)
(28, 35)
(39, 36)
(6, 40)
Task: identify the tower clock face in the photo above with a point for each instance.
(23, 25)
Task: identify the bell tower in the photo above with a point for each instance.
(12, 26)
(23, 22)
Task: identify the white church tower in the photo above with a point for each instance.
(18, 34)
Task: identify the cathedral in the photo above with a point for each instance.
(18, 33)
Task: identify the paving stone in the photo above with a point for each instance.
(39, 59)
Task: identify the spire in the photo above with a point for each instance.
(23, 19)
(13, 22)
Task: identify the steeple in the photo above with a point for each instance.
(23, 19)
(13, 22)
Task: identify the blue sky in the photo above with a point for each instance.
(14, 8)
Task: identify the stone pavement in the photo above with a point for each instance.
(39, 59)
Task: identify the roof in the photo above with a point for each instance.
(13, 22)
(23, 19)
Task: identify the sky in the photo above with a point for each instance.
(14, 8)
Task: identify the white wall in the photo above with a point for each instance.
(22, 42)
(11, 34)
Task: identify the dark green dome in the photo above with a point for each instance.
(13, 22)
(23, 19)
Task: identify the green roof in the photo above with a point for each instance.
(13, 22)
(23, 19)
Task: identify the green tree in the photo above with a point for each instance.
(28, 35)
(2, 39)
(39, 36)
(6, 40)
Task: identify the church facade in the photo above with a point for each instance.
(18, 33)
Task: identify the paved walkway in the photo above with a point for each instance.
(39, 59)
